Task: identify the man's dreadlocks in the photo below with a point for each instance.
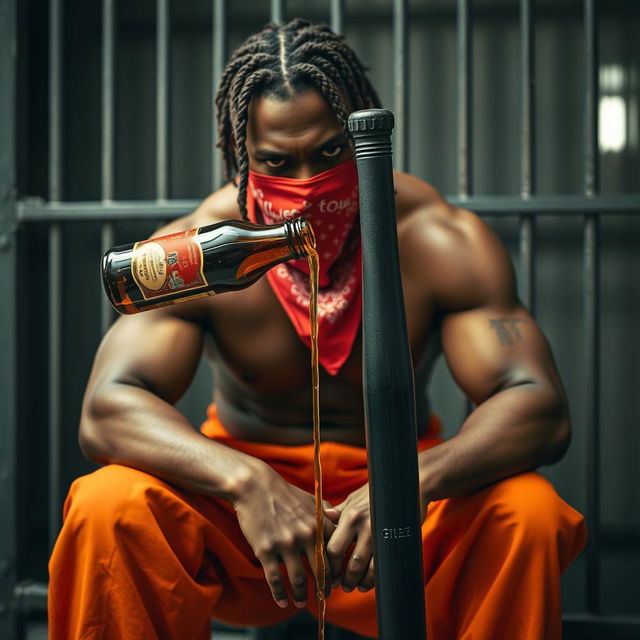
(283, 61)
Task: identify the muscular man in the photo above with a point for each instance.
(181, 525)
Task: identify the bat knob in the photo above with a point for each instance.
(368, 122)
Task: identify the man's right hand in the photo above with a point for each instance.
(278, 521)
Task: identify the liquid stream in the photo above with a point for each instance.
(317, 467)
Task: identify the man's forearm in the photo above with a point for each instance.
(129, 425)
(516, 430)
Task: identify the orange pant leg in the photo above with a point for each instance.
(139, 559)
(492, 564)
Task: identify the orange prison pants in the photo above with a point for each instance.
(139, 559)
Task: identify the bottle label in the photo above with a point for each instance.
(169, 264)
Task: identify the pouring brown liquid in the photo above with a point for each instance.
(312, 258)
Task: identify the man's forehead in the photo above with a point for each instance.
(304, 112)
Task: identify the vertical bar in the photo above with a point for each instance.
(591, 168)
(55, 100)
(527, 235)
(219, 47)
(591, 304)
(464, 120)
(162, 99)
(465, 91)
(106, 310)
(401, 85)
(527, 173)
(277, 11)
(527, 166)
(108, 59)
(337, 16)
(55, 381)
(592, 307)
(108, 136)
(55, 270)
(8, 324)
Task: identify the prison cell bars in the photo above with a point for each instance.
(527, 207)
(219, 52)
(108, 135)
(527, 152)
(56, 133)
(591, 304)
(8, 324)
(401, 84)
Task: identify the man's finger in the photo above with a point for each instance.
(297, 578)
(368, 582)
(337, 546)
(332, 513)
(358, 563)
(274, 579)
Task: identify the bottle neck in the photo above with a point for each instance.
(300, 237)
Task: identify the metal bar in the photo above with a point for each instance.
(107, 314)
(527, 169)
(8, 324)
(55, 271)
(277, 11)
(162, 99)
(219, 49)
(108, 132)
(55, 381)
(591, 160)
(592, 627)
(465, 92)
(55, 100)
(527, 233)
(108, 56)
(337, 15)
(37, 210)
(592, 308)
(591, 304)
(401, 85)
(527, 150)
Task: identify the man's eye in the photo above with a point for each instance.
(274, 163)
(333, 151)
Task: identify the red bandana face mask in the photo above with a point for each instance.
(329, 200)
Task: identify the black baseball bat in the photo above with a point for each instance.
(389, 392)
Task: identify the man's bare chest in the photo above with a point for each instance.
(256, 341)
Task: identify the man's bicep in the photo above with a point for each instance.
(158, 350)
(489, 349)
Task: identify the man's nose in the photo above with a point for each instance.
(304, 171)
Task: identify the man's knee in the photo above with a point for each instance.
(528, 508)
(109, 497)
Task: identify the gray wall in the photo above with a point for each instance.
(496, 170)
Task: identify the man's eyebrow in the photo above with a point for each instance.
(271, 155)
(334, 141)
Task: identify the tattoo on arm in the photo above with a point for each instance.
(506, 329)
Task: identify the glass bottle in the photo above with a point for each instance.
(220, 257)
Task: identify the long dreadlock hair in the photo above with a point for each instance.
(283, 60)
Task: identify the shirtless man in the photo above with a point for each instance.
(181, 525)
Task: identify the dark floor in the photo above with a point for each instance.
(303, 627)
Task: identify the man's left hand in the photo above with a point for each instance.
(353, 535)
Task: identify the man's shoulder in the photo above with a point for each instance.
(452, 250)
(426, 221)
(218, 206)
